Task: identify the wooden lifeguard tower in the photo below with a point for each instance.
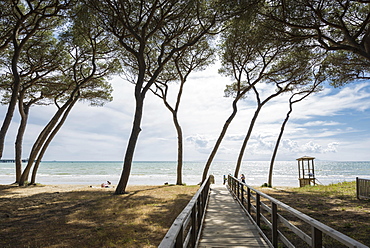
(306, 171)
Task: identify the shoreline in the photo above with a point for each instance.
(10, 191)
(158, 173)
(14, 191)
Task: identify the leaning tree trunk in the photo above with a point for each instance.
(251, 126)
(225, 127)
(246, 139)
(40, 141)
(291, 102)
(219, 140)
(23, 110)
(130, 150)
(277, 146)
(48, 141)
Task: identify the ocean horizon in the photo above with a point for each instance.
(160, 172)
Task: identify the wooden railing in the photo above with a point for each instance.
(186, 228)
(279, 231)
(363, 188)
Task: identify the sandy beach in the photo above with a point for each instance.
(12, 191)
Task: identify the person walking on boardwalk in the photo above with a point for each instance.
(242, 177)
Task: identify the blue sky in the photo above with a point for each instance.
(330, 125)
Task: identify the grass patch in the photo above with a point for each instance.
(91, 217)
(335, 205)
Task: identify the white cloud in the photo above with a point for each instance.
(198, 140)
(321, 123)
(332, 147)
(311, 147)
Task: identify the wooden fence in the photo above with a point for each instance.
(362, 188)
(186, 228)
(277, 230)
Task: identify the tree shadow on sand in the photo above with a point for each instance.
(339, 210)
(92, 218)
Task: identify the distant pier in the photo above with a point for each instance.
(12, 160)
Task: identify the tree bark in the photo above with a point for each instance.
(277, 145)
(14, 97)
(219, 140)
(291, 102)
(24, 111)
(179, 149)
(225, 127)
(121, 187)
(246, 139)
(40, 141)
(49, 139)
(253, 121)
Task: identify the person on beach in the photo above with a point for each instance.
(242, 177)
(106, 185)
(225, 179)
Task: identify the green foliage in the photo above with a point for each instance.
(55, 61)
(154, 33)
(344, 67)
(252, 53)
(338, 27)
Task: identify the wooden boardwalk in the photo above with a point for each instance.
(225, 223)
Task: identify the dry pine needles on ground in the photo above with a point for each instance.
(334, 205)
(70, 216)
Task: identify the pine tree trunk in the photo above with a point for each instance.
(121, 187)
(23, 110)
(40, 141)
(179, 150)
(49, 139)
(13, 100)
(246, 139)
(277, 147)
(219, 140)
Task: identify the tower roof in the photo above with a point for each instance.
(306, 158)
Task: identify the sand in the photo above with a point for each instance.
(12, 191)
(88, 215)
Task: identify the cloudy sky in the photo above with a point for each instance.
(330, 125)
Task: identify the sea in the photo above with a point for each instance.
(161, 172)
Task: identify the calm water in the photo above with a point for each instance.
(157, 173)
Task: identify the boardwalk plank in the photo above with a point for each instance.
(226, 225)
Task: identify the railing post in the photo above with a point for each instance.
(180, 238)
(234, 184)
(357, 189)
(200, 205)
(274, 225)
(249, 199)
(229, 181)
(238, 190)
(258, 206)
(316, 238)
(194, 225)
(199, 212)
(242, 194)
